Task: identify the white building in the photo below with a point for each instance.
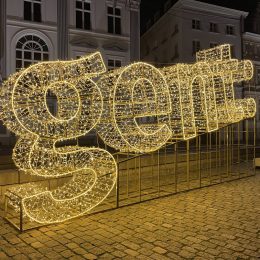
(36, 30)
(189, 26)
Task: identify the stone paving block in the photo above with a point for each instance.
(217, 222)
(159, 250)
(131, 245)
(131, 252)
(105, 256)
(67, 253)
(3, 255)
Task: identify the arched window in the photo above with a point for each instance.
(30, 49)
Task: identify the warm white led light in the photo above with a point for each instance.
(24, 110)
(137, 108)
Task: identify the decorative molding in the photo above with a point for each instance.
(114, 47)
(82, 42)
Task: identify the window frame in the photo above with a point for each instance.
(213, 27)
(228, 31)
(196, 24)
(196, 48)
(21, 45)
(32, 14)
(114, 17)
(82, 10)
(114, 60)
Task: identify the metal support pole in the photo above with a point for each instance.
(117, 183)
(210, 162)
(21, 216)
(238, 148)
(176, 167)
(188, 162)
(254, 142)
(158, 161)
(199, 159)
(139, 173)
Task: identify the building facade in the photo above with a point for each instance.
(39, 30)
(189, 26)
(251, 51)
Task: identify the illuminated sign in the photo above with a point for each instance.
(137, 108)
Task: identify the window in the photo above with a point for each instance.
(213, 45)
(32, 10)
(113, 64)
(213, 27)
(83, 14)
(196, 24)
(30, 49)
(195, 46)
(258, 76)
(113, 20)
(230, 30)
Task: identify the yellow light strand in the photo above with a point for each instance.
(137, 108)
(80, 104)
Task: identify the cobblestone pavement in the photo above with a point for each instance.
(217, 222)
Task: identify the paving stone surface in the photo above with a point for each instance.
(217, 222)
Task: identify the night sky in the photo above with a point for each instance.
(149, 7)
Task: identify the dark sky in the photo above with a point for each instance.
(149, 7)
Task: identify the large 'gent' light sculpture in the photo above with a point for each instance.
(25, 112)
(137, 108)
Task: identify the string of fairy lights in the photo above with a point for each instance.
(137, 108)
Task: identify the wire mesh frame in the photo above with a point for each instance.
(208, 159)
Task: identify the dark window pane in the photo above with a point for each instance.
(79, 19)
(110, 63)
(40, 41)
(79, 4)
(117, 11)
(118, 63)
(87, 24)
(27, 64)
(28, 38)
(45, 56)
(18, 63)
(45, 47)
(110, 10)
(37, 56)
(37, 12)
(87, 6)
(27, 55)
(110, 24)
(19, 45)
(118, 25)
(27, 46)
(24, 39)
(18, 54)
(27, 12)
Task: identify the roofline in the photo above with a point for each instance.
(201, 6)
(197, 5)
(251, 36)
